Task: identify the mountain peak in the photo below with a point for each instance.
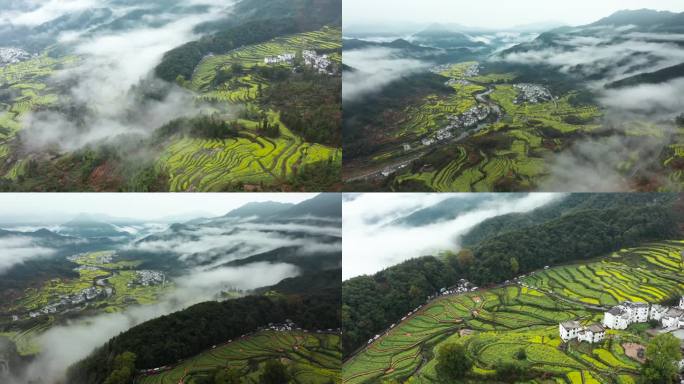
(639, 17)
(259, 209)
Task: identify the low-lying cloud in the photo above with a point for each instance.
(38, 12)
(111, 63)
(374, 69)
(647, 99)
(16, 250)
(217, 244)
(372, 242)
(637, 123)
(609, 55)
(65, 345)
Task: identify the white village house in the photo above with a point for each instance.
(571, 330)
(594, 333)
(673, 318)
(621, 316)
(568, 329)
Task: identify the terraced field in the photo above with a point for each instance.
(251, 159)
(651, 273)
(215, 165)
(242, 88)
(25, 89)
(495, 324)
(524, 137)
(26, 340)
(312, 358)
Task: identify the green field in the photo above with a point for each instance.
(311, 358)
(26, 82)
(213, 165)
(251, 160)
(494, 324)
(516, 146)
(118, 275)
(244, 87)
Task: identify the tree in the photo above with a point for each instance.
(680, 120)
(521, 354)
(662, 357)
(465, 258)
(515, 266)
(124, 369)
(509, 372)
(227, 376)
(452, 362)
(274, 373)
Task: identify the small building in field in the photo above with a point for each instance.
(568, 329)
(594, 333)
(571, 330)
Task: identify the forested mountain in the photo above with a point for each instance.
(579, 227)
(657, 77)
(572, 203)
(186, 333)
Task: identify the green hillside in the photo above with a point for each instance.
(495, 324)
(309, 357)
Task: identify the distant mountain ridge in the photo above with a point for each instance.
(324, 205)
(656, 77)
(644, 18)
(259, 209)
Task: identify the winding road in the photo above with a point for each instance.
(481, 97)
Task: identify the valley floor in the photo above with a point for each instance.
(495, 133)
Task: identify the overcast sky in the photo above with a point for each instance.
(497, 14)
(146, 206)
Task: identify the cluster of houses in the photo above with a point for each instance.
(620, 317)
(463, 286)
(285, 58)
(102, 258)
(452, 82)
(467, 119)
(287, 326)
(65, 301)
(12, 56)
(147, 278)
(391, 169)
(321, 63)
(532, 93)
(471, 71)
